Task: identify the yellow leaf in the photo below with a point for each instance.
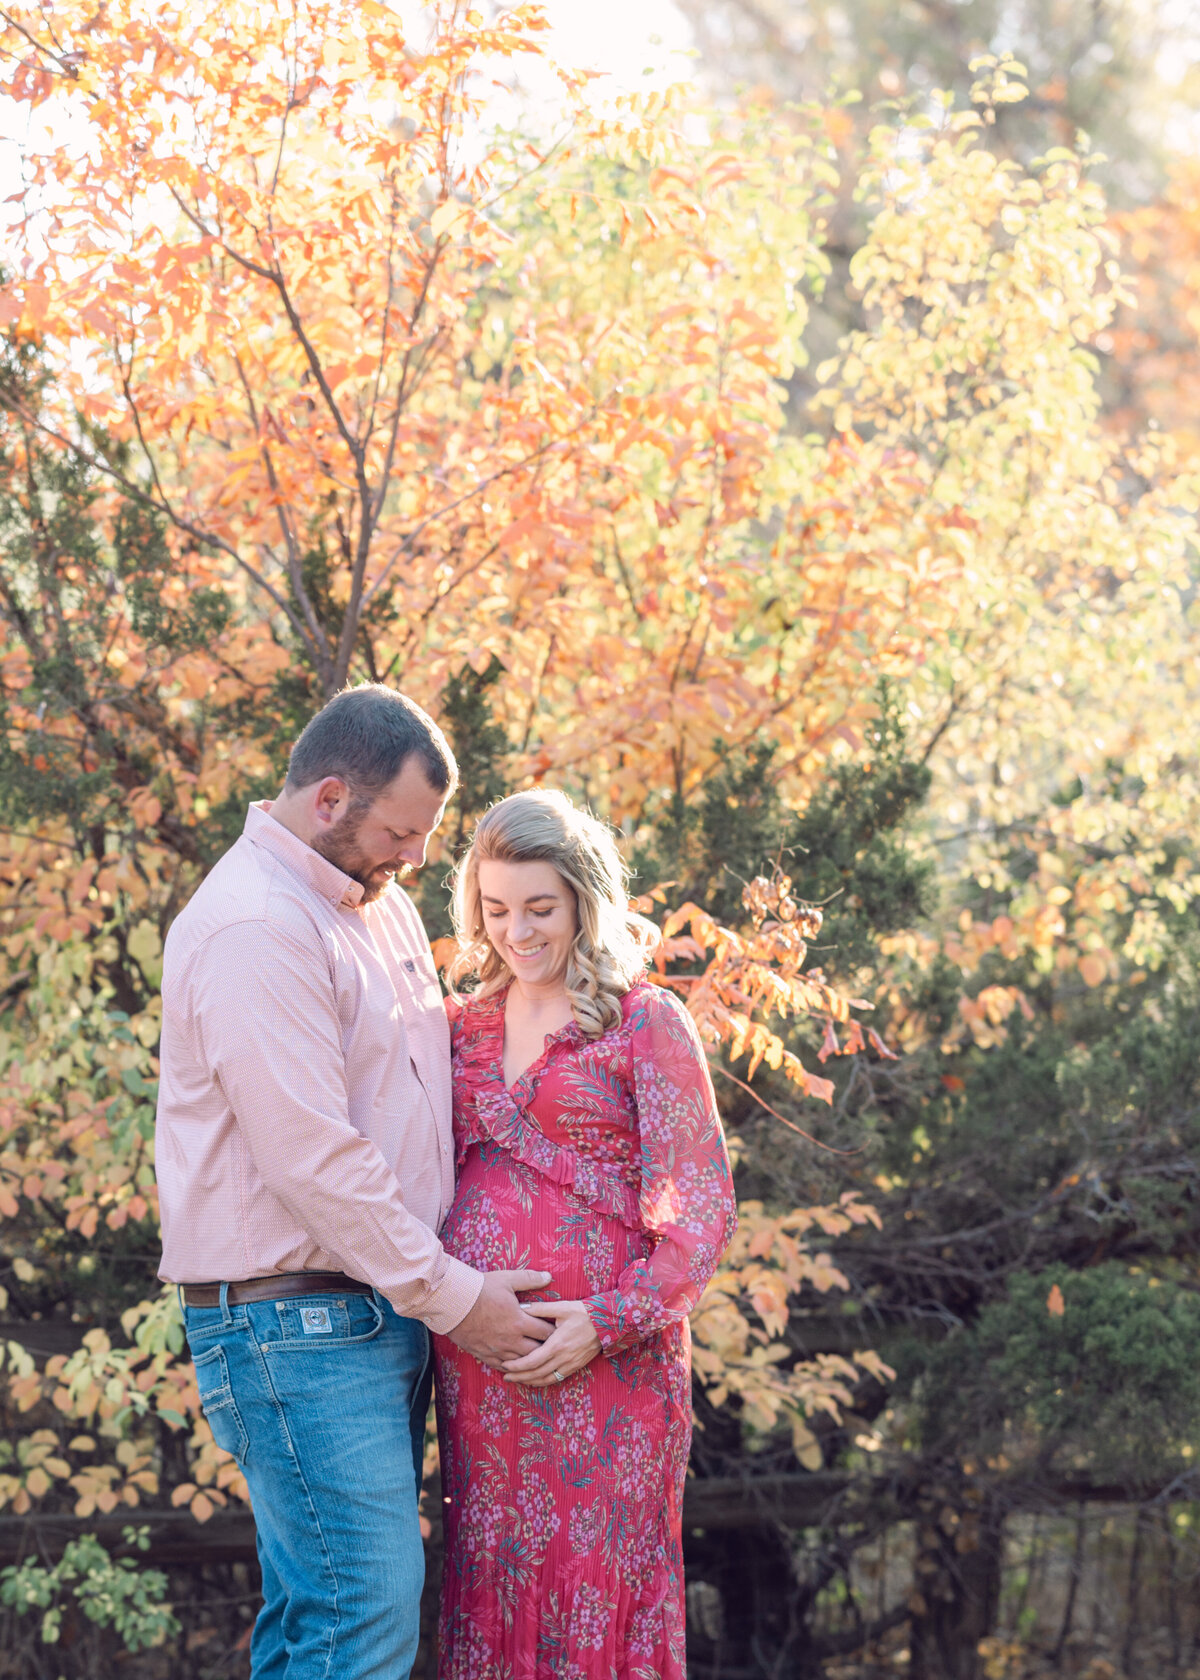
(144, 944)
(807, 1447)
(449, 219)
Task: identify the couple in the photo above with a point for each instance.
(540, 1181)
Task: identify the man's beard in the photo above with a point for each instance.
(342, 850)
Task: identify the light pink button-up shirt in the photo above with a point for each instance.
(304, 1101)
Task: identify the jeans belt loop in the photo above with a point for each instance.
(226, 1315)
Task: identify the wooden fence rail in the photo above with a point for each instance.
(715, 1504)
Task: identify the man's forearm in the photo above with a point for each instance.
(365, 1224)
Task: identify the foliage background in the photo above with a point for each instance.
(809, 487)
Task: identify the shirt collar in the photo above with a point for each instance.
(314, 870)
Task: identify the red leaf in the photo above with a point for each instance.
(829, 1044)
(880, 1047)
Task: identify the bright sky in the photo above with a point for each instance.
(623, 38)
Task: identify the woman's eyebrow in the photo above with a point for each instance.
(537, 898)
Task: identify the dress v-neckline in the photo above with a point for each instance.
(534, 1067)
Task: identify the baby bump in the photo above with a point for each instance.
(506, 1216)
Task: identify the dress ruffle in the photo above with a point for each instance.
(495, 1112)
(498, 1116)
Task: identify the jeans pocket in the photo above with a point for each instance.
(218, 1404)
(312, 1323)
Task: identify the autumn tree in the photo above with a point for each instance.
(1151, 352)
(317, 371)
(1099, 69)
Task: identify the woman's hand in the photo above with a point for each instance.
(572, 1344)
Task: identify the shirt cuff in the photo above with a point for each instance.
(449, 1302)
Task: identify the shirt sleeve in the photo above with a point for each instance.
(264, 1014)
(686, 1200)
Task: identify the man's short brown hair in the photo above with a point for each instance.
(365, 736)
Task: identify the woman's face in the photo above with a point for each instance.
(530, 916)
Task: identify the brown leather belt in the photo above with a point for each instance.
(274, 1288)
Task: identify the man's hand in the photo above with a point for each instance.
(572, 1346)
(497, 1327)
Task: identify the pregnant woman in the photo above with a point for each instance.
(588, 1145)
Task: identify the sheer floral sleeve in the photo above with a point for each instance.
(686, 1199)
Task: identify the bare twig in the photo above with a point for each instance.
(790, 1124)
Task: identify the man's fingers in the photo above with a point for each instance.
(500, 1358)
(541, 1359)
(528, 1365)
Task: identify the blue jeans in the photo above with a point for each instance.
(322, 1400)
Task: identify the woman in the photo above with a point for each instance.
(588, 1145)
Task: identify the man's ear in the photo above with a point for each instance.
(330, 798)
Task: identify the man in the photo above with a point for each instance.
(305, 1163)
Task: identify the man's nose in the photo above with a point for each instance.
(413, 852)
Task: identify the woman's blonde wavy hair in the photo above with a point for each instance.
(612, 946)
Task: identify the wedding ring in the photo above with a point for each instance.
(558, 1376)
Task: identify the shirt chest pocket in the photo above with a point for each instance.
(426, 993)
(421, 998)
(428, 1038)
(371, 1009)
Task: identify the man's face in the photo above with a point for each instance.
(372, 843)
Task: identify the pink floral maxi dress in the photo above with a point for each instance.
(605, 1166)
